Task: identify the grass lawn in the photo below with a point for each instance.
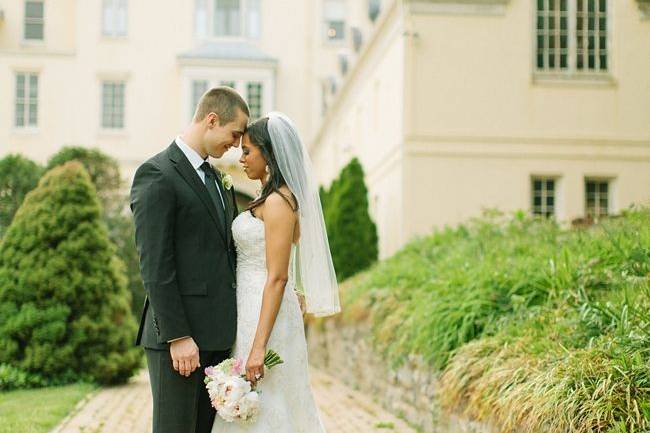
(38, 410)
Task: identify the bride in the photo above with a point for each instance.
(282, 252)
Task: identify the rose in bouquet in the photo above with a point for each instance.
(230, 393)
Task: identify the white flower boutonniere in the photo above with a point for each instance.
(226, 180)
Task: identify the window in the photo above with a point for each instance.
(113, 104)
(596, 198)
(334, 15)
(374, 8)
(26, 106)
(254, 25)
(254, 92)
(228, 18)
(256, 89)
(543, 197)
(114, 18)
(34, 20)
(571, 36)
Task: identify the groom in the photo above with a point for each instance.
(183, 215)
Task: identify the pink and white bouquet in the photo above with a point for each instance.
(231, 394)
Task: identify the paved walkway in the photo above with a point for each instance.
(127, 409)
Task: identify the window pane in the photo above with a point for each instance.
(201, 18)
(335, 30)
(34, 9)
(20, 86)
(334, 14)
(121, 18)
(33, 31)
(33, 86)
(199, 87)
(603, 62)
(227, 18)
(33, 114)
(107, 17)
(20, 114)
(254, 19)
(34, 13)
(254, 91)
(112, 104)
(543, 200)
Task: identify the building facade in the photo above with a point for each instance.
(452, 106)
(125, 75)
(457, 106)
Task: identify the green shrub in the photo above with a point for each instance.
(18, 176)
(535, 328)
(352, 234)
(103, 170)
(64, 306)
(105, 175)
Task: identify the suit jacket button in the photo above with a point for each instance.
(234, 285)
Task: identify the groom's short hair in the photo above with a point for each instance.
(222, 100)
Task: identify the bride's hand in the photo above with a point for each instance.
(255, 365)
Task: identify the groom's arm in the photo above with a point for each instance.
(152, 203)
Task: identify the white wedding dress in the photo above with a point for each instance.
(286, 401)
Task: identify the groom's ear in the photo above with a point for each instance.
(212, 119)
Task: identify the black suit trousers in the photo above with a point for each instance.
(180, 404)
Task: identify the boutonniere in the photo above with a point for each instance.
(226, 180)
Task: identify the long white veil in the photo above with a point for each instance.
(314, 260)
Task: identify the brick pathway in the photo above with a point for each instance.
(120, 410)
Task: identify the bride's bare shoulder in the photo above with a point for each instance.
(282, 199)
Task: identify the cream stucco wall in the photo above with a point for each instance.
(477, 121)
(481, 122)
(366, 121)
(74, 58)
(474, 75)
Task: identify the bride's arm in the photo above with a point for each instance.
(279, 223)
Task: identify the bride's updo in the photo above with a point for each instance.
(258, 133)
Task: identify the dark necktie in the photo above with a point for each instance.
(211, 185)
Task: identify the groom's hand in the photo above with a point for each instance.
(185, 355)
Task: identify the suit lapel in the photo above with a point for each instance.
(190, 176)
(228, 207)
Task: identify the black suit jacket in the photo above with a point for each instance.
(187, 256)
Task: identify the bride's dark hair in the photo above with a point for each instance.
(258, 133)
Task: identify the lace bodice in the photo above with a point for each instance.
(248, 233)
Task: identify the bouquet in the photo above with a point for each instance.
(230, 393)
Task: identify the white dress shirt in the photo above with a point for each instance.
(196, 161)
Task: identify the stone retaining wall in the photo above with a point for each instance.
(409, 391)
